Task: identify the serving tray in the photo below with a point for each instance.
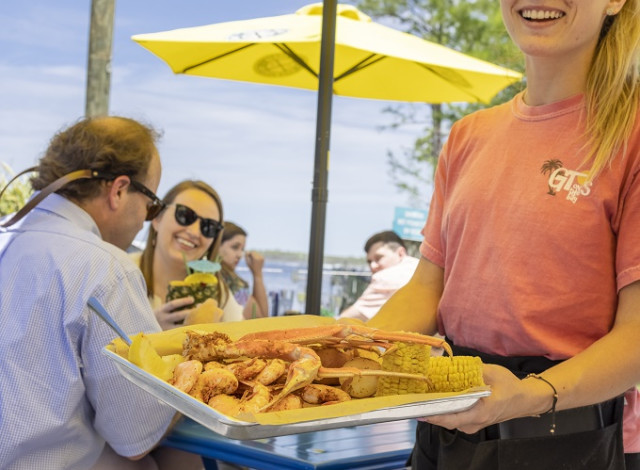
(236, 429)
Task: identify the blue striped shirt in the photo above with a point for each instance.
(60, 397)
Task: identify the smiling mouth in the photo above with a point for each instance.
(185, 243)
(541, 15)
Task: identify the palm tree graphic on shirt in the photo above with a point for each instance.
(548, 167)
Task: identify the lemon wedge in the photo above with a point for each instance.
(143, 354)
(173, 360)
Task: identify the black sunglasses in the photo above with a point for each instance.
(153, 209)
(186, 216)
(156, 206)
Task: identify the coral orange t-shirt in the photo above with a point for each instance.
(533, 255)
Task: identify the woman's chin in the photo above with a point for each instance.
(180, 253)
(228, 265)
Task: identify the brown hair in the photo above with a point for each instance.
(146, 260)
(388, 237)
(113, 144)
(231, 230)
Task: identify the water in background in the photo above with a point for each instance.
(286, 284)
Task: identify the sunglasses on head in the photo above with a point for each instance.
(153, 209)
(186, 216)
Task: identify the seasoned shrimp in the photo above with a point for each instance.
(225, 404)
(290, 402)
(318, 394)
(186, 374)
(274, 369)
(246, 370)
(214, 382)
(213, 365)
(211, 346)
(257, 400)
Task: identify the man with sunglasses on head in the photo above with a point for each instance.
(63, 404)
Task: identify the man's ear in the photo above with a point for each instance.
(116, 192)
(402, 252)
(154, 222)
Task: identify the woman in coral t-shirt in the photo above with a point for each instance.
(531, 252)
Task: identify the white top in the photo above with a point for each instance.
(384, 284)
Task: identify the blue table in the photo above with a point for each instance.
(382, 446)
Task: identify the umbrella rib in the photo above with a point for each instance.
(442, 77)
(364, 63)
(298, 60)
(212, 59)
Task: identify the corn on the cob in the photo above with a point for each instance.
(446, 374)
(454, 374)
(407, 357)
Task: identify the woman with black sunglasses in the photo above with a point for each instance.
(190, 228)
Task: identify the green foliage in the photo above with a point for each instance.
(473, 27)
(16, 195)
(325, 312)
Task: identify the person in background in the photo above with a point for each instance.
(232, 249)
(531, 252)
(189, 229)
(391, 268)
(64, 404)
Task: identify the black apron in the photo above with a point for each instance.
(438, 448)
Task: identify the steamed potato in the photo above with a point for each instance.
(361, 386)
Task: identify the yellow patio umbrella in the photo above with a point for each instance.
(370, 60)
(342, 53)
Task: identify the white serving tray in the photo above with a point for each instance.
(236, 429)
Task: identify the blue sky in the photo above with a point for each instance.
(254, 143)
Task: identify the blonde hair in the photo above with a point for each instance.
(613, 87)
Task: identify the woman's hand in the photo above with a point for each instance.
(507, 401)
(255, 262)
(168, 317)
(258, 305)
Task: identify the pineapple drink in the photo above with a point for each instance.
(202, 285)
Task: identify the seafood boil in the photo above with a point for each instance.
(288, 369)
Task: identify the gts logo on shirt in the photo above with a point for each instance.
(563, 179)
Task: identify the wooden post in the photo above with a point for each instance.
(99, 63)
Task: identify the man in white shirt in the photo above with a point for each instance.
(391, 268)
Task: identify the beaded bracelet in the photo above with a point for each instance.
(551, 410)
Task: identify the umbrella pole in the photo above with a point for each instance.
(319, 193)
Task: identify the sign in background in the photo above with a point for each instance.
(408, 222)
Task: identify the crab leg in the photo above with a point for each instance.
(401, 336)
(328, 372)
(349, 333)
